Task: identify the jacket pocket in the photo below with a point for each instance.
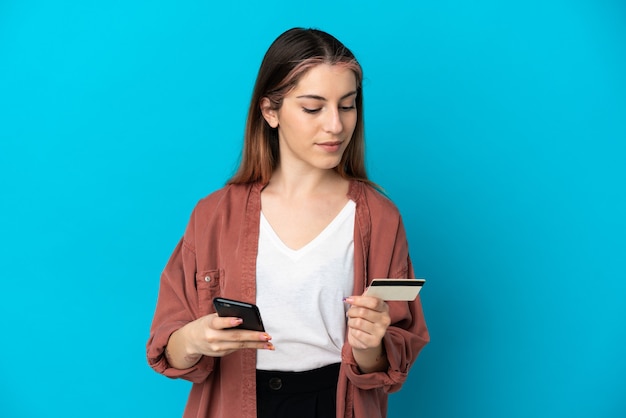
(208, 286)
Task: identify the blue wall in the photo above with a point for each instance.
(498, 128)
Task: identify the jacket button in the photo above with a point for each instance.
(276, 383)
(207, 278)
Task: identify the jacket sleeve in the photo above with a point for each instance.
(177, 305)
(407, 334)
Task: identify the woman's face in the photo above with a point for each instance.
(317, 118)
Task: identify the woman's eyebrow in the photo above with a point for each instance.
(316, 97)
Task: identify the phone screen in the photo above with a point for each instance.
(246, 311)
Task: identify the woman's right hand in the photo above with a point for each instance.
(212, 336)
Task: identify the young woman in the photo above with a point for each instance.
(300, 231)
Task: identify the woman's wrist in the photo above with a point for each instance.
(178, 351)
(371, 360)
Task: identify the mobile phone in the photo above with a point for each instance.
(246, 311)
(395, 289)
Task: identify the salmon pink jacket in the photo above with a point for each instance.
(217, 257)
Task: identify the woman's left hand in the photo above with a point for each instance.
(368, 320)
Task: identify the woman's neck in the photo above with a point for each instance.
(308, 183)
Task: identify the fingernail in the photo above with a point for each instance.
(348, 299)
(236, 321)
(269, 346)
(265, 337)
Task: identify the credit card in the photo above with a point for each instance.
(395, 289)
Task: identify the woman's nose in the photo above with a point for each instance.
(332, 122)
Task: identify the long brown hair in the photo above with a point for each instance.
(290, 56)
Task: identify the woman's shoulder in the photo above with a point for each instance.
(227, 203)
(374, 197)
(224, 196)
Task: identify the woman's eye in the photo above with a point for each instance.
(307, 110)
(347, 108)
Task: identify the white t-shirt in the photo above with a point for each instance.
(300, 292)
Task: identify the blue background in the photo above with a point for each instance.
(498, 128)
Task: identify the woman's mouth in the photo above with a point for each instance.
(333, 146)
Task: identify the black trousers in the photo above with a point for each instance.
(308, 394)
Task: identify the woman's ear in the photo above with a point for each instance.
(269, 114)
